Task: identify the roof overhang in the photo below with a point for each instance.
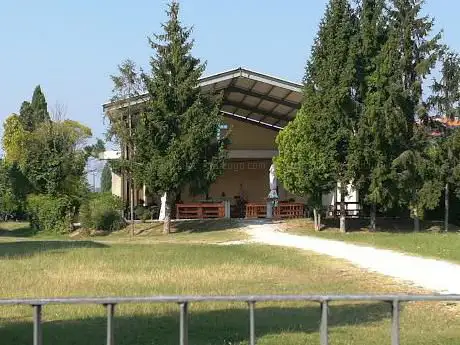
(247, 96)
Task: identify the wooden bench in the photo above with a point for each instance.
(289, 210)
(256, 210)
(200, 211)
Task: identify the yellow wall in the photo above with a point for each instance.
(246, 136)
(251, 174)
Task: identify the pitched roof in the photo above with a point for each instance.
(248, 96)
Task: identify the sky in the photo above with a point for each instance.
(71, 48)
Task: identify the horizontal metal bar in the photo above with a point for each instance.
(247, 298)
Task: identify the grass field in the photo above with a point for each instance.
(433, 244)
(191, 263)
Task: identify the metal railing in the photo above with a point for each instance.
(184, 302)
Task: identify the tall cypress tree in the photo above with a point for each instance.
(35, 112)
(176, 140)
(106, 179)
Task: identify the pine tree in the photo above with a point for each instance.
(330, 87)
(446, 102)
(382, 132)
(106, 179)
(176, 140)
(417, 56)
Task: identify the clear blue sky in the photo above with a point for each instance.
(72, 47)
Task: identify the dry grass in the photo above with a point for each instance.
(86, 268)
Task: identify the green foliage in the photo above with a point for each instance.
(102, 211)
(314, 147)
(176, 137)
(106, 179)
(446, 92)
(143, 213)
(14, 139)
(300, 166)
(13, 191)
(48, 213)
(34, 113)
(418, 177)
(54, 160)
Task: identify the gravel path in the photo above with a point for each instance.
(434, 275)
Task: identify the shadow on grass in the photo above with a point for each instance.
(16, 230)
(29, 248)
(220, 327)
(205, 225)
(390, 225)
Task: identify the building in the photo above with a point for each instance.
(255, 107)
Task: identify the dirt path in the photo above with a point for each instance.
(434, 275)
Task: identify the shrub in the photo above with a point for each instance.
(48, 213)
(102, 212)
(143, 213)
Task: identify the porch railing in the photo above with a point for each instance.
(324, 301)
(289, 210)
(200, 210)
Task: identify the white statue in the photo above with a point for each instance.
(273, 183)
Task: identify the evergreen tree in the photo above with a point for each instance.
(417, 55)
(106, 179)
(382, 132)
(39, 106)
(446, 102)
(418, 176)
(329, 109)
(176, 140)
(36, 112)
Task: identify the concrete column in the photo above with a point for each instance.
(269, 209)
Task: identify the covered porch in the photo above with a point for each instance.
(255, 108)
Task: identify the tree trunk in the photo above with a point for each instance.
(446, 210)
(416, 221)
(343, 212)
(319, 220)
(131, 204)
(315, 218)
(372, 225)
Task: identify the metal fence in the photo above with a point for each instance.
(184, 301)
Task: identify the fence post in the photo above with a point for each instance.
(110, 313)
(395, 306)
(183, 323)
(323, 328)
(38, 338)
(252, 332)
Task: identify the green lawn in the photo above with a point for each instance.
(433, 244)
(120, 266)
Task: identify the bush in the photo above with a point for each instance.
(143, 213)
(49, 214)
(102, 212)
